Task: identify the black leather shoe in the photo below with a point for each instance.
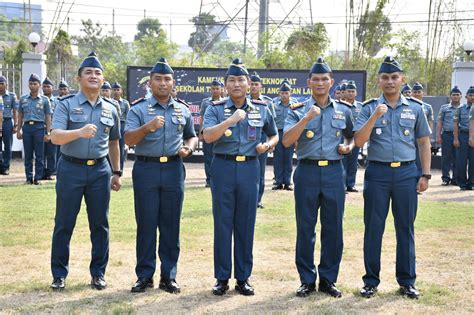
(29, 182)
(329, 288)
(221, 287)
(142, 284)
(98, 283)
(5, 172)
(36, 182)
(207, 185)
(244, 288)
(289, 187)
(368, 291)
(351, 189)
(277, 187)
(305, 289)
(454, 183)
(58, 284)
(409, 291)
(445, 183)
(462, 188)
(169, 285)
(260, 205)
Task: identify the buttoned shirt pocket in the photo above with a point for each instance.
(407, 129)
(106, 124)
(178, 123)
(76, 121)
(379, 127)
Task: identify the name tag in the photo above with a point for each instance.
(253, 116)
(409, 116)
(78, 111)
(339, 116)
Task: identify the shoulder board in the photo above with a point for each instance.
(137, 101)
(66, 97)
(258, 102)
(221, 102)
(267, 97)
(296, 105)
(109, 101)
(344, 102)
(369, 101)
(415, 100)
(182, 102)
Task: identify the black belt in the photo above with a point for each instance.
(393, 164)
(161, 159)
(280, 130)
(238, 158)
(88, 162)
(445, 131)
(33, 122)
(464, 130)
(319, 162)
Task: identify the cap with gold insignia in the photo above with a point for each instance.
(406, 88)
(285, 85)
(162, 67)
(106, 86)
(320, 67)
(351, 85)
(34, 78)
(47, 81)
(390, 65)
(455, 89)
(470, 90)
(63, 84)
(215, 82)
(417, 86)
(255, 77)
(116, 85)
(237, 68)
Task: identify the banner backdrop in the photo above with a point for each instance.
(193, 84)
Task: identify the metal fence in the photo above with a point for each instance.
(13, 75)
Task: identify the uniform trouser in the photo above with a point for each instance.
(350, 166)
(123, 152)
(7, 139)
(262, 162)
(319, 188)
(448, 156)
(465, 161)
(50, 154)
(33, 142)
(75, 181)
(159, 192)
(383, 183)
(282, 162)
(234, 188)
(207, 151)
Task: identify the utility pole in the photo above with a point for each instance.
(113, 22)
(262, 27)
(29, 15)
(245, 27)
(196, 34)
(311, 12)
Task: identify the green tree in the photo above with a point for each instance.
(60, 62)
(150, 48)
(203, 39)
(13, 54)
(148, 27)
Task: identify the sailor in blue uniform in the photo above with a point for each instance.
(337, 92)
(464, 154)
(50, 149)
(283, 157)
(63, 88)
(216, 92)
(406, 90)
(162, 131)
(445, 137)
(124, 108)
(235, 125)
(418, 93)
(322, 127)
(350, 160)
(33, 116)
(256, 94)
(9, 124)
(87, 127)
(392, 124)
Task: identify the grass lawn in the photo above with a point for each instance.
(444, 239)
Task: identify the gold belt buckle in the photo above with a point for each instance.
(163, 159)
(90, 162)
(323, 163)
(395, 164)
(31, 122)
(240, 158)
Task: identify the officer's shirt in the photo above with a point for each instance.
(9, 103)
(428, 110)
(34, 108)
(462, 116)
(167, 140)
(53, 104)
(205, 104)
(355, 109)
(281, 111)
(124, 109)
(267, 100)
(74, 112)
(471, 113)
(322, 134)
(446, 116)
(242, 138)
(394, 134)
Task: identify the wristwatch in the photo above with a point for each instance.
(119, 173)
(189, 149)
(427, 176)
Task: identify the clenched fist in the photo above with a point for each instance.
(156, 123)
(313, 112)
(380, 110)
(237, 116)
(88, 131)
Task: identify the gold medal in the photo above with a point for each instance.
(406, 132)
(309, 134)
(228, 133)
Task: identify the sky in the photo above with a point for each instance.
(175, 15)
